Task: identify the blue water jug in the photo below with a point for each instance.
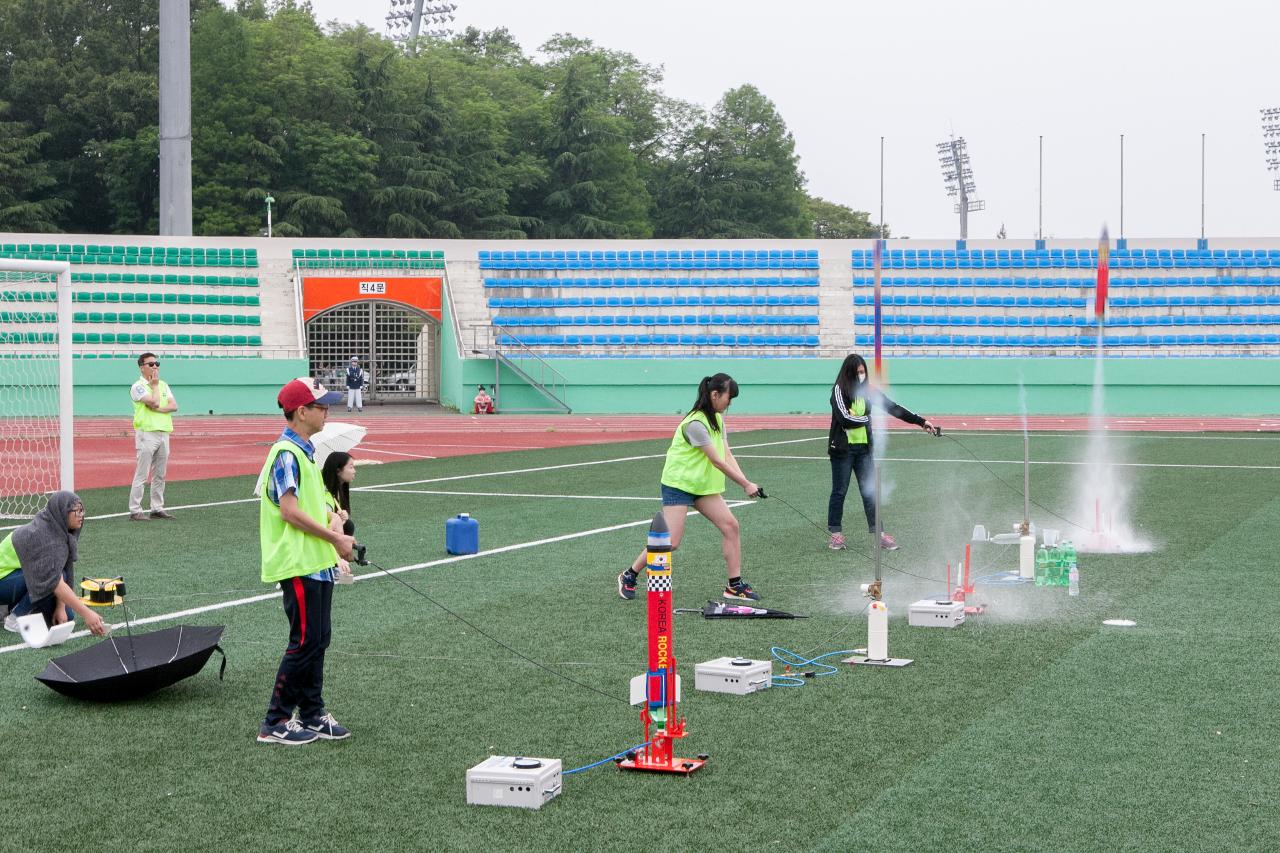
(462, 535)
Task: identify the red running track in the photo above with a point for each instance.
(206, 447)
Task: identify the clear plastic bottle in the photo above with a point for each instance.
(1073, 583)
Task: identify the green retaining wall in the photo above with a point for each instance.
(202, 386)
(972, 386)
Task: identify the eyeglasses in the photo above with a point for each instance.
(78, 511)
(151, 364)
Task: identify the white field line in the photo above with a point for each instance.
(651, 498)
(376, 487)
(365, 449)
(562, 467)
(1033, 462)
(505, 549)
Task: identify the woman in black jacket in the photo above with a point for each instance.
(849, 445)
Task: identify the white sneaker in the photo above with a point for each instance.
(11, 624)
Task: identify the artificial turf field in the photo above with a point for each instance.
(1031, 727)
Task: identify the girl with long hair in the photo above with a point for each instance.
(849, 445)
(36, 564)
(338, 472)
(698, 462)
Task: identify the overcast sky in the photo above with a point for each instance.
(1001, 73)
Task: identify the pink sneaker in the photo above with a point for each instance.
(837, 542)
(888, 543)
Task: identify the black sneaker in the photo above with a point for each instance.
(288, 733)
(740, 591)
(627, 584)
(326, 727)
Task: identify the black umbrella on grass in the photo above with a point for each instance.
(118, 670)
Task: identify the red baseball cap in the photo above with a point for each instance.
(303, 391)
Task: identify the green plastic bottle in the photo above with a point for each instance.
(1042, 567)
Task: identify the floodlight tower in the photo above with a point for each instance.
(958, 177)
(404, 21)
(1271, 141)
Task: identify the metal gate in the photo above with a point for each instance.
(397, 347)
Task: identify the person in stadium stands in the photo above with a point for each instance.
(153, 408)
(36, 561)
(355, 385)
(697, 464)
(483, 404)
(849, 445)
(300, 552)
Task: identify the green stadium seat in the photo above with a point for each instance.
(77, 337)
(183, 319)
(235, 340)
(183, 340)
(97, 296)
(185, 298)
(169, 319)
(169, 298)
(113, 297)
(95, 317)
(168, 340)
(79, 317)
(93, 337)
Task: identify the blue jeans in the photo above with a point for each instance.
(857, 461)
(13, 593)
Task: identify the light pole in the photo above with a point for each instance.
(270, 201)
(958, 177)
(1271, 140)
(405, 24)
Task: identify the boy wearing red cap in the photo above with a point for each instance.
(300, 552)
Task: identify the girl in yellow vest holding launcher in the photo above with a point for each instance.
(698, 462)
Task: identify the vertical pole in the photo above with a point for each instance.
(1202, 186)
(1026, 482)
(415, 25)
(66, 396)
(1122, 186)
(175, 118)
(877, 267)
(1040, 194)
(882, 188)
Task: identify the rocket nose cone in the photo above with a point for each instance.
(659, 524)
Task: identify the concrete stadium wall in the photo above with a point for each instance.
(971, 386)
(202, 386)
(943, 384)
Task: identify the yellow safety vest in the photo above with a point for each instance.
(689, 469)
(858, 434)
(9, 562)
(287, 552)
(148, 420)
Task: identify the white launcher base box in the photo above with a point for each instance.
(504, 780)
(738, 676)
(929, 613)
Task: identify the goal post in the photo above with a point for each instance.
(36, 436)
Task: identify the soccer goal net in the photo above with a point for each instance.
(35, 384)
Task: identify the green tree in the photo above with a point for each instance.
(833, 221)
(736, 175)
(24, 180)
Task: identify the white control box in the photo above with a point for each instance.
(504, 780)
(738, 676)
(929, 613)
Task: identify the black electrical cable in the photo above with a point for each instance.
(486, 634)
(870, 556)
(1014, 488)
